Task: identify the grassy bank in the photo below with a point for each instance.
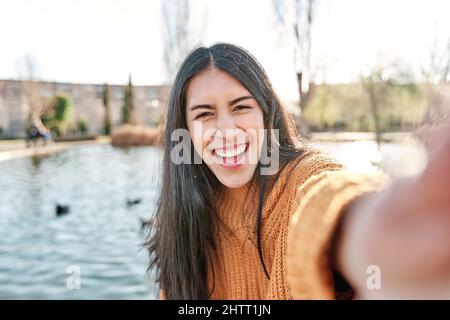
(347, 107)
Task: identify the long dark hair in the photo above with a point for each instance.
(181, 242)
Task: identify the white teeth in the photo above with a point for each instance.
(231, 153)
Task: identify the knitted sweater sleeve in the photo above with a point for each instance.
(300, 268)
(324, 198)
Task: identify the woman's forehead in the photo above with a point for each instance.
(212, 84)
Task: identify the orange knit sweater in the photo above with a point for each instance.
(300, 216)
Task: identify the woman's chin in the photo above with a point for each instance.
(235, 185)
(236, 180)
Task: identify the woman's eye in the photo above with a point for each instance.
(242, 107)
(202, 115)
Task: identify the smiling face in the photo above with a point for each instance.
(226, 125)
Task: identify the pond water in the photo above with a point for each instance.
(99, 239)
(95, 251)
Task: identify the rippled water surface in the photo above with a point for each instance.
(99, 239)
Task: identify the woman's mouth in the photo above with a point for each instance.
(230, 157)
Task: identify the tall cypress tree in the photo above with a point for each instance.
(106, 120)
(128, 105)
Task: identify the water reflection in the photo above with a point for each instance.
(396, 159)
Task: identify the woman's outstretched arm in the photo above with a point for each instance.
(396, 243)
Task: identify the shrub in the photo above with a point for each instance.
(58, 114)
(129, 135)
(82, 126)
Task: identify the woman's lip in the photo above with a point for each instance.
(227, 148)
(238, 164)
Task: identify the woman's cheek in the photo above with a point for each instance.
(202, 147)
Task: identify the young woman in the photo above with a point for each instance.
(264, 216)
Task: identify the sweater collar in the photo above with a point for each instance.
(240, 194)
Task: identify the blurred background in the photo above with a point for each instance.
(84, 85)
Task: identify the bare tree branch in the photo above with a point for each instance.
(298, 16)
(445, 76)
(179, 35)
(437, 67)
(31, 87)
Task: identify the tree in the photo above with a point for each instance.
(379, 85)
(374, 85)
(436, 72)
(82, 126)
(27, 69)
(58, 114)
(106, 120)
(128, 104)
(179, 34)
(437, 68)
(296, 17)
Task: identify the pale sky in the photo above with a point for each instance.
(104, 40)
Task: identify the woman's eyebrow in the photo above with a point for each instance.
(208, 106)
(198, 106)
(234, 101)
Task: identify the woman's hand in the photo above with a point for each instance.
(404, 232)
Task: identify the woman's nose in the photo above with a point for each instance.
(225, 121)
(227, 131)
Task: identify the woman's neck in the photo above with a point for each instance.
(249, 191)
(237, 194)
